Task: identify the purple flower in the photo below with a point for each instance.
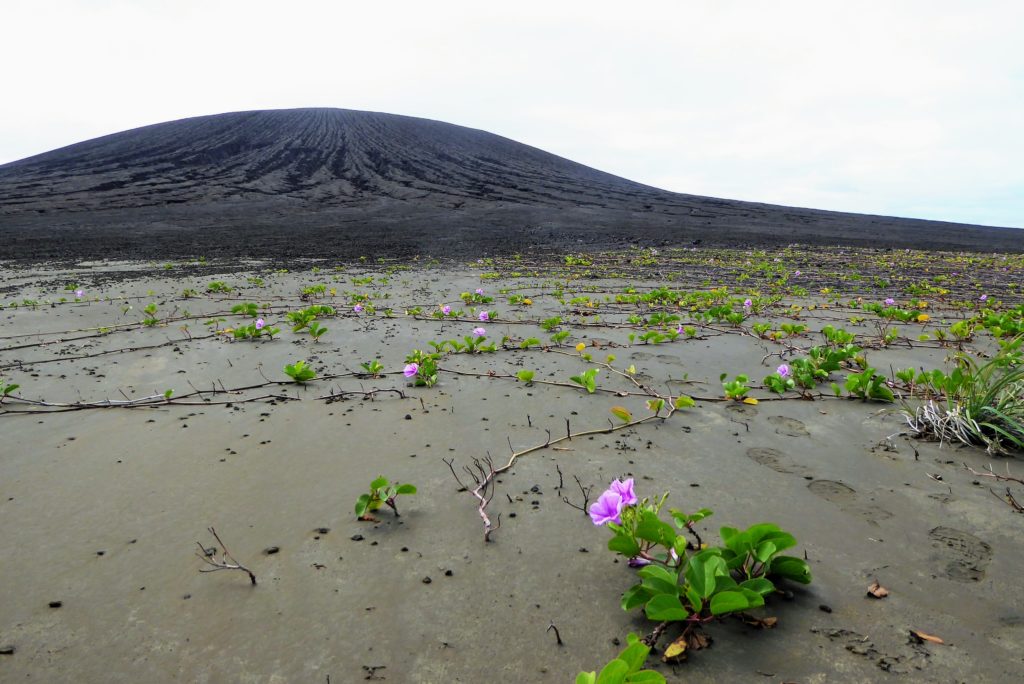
(982, 297)
(747, 304)
(624, 490)
(411, 370)
(479, 290)
(679, 330)
(797, 274)
(479, 332)
(889, 301)
(783, 371)
(78, 294)
(607, 508)
(357, 308)
(446, 310)
(260, 323)
(638, 562)
(484, 316)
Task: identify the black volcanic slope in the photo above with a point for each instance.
(333, 182)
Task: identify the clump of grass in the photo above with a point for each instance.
(984, 404)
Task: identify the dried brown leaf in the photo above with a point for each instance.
(877, 590)
(921, 637)
(763, 623)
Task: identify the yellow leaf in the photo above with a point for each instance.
(631, 370)
(750, 400)
(923, 318)
(580, 347)
(675, 650)
(527, 302)
(621, 412)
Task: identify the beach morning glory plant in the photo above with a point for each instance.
(683, 580)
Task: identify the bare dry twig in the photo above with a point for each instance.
(226, 560)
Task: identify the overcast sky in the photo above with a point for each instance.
(901, 108)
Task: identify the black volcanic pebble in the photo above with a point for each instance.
(357, 537)
(271, 550)
(56, 604)
(7, 649)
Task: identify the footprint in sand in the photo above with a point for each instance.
(963, 557)
(776, 460)
(845, 497)
(641, 356)
(836, 492)
(790, 427)
(742, 409)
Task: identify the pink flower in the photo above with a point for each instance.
(357, 308)
(890, 301)
(411, 370)
(607, 508)
(624, 490)
(797, 274)
(484, 316)
(446, 310)
(679, 330)
(982, 297)
(260, 323)
(783, 371)
(479, 332)
(747, 304)
(78, 294)
(479, 290)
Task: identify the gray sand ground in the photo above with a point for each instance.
(142, 485)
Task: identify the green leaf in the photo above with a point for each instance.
(764, 551)
(683, 401)
(635, 596)
(624, 544)
(405, 489)
(729, 602)
(646, 677)
(379, 483)
(696, 602)
(613, 673)
(665, 607)
(652, 529)
(792, 568)
(634, 655)
(525, 375)
(361, 504)
(701, 571)
(586, 678)
(659, 580)
(760, 585)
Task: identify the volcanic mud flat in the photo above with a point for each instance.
(107, 482)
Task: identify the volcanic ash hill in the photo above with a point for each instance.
(334, 182)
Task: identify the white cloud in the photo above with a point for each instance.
(910, 108)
